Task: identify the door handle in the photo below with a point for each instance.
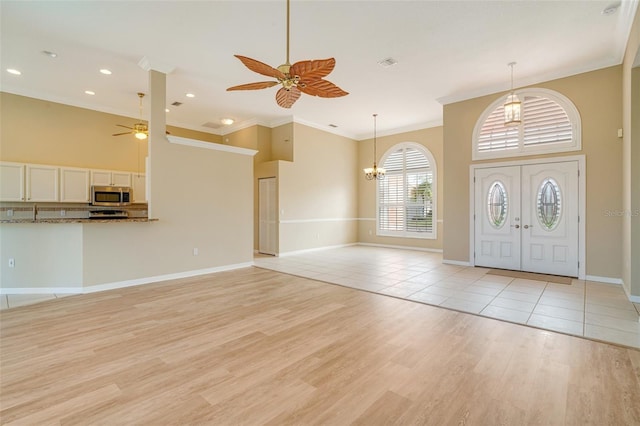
(526, 226)
(517, 226)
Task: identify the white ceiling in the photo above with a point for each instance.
(446, 51)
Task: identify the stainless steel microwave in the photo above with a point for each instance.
(111, 195)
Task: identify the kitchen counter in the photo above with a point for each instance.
(71, 213)
(78, 220)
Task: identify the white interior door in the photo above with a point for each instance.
(550, 218)
(497, 217)
(267, 215)
(526, 218)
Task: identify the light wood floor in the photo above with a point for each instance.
(259, 347)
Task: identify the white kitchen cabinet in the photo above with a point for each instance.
(42, 183)
(110, 178)
(12, 182)
(100, 177)
(121, 178)
(139, 185)
(74, 185)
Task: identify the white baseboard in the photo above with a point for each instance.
(295, 252)
(122, 284)
(401, 247)
(455, 262)
(607, 280)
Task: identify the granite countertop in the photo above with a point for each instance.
(77, 220)
(70, 213)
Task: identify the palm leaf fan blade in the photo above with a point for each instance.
(260, 67)
(322, 88)
(313, 70)
(254, 86)
(286, 98)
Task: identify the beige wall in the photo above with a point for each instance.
(43, 132)
(318, 191)
(597, 97)
(45, 255)
(429, 138)
(253, 137)
(631, 161)
(282, 142)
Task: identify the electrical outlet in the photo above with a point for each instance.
(12, 263)
(195, 251)
(63, 213)
(10, 212)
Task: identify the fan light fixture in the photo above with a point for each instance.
(375, 172)
(513, 106)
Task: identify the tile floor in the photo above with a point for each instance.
(584, 308)
(14, 300)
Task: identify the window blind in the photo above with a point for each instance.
(405, 201)
(545, 123)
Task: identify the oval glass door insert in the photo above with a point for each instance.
(549, 204)
(497, 204)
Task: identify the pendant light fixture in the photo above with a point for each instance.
(375, 172)
(513, 106)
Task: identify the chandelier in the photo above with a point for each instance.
(374, 172)
(512, 107)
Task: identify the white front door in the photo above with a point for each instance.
(550, 218)
(267, 215)
(497, 217)
(526, 218)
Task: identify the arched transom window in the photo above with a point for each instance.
(407, 194)
(550, 123)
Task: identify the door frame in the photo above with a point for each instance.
(582, 210)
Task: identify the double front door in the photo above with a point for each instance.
(526, 218)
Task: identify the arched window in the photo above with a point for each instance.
(550, 123)
(407, 194)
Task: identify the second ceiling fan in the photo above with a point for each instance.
(140, 129)
(301, 77)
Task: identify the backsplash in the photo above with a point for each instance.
(62, 211)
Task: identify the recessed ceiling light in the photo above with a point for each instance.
(190, 95)
(611, 9)
(167, 110)
(90, 92)
(226, 121)
(387, 62)
(50, 54)
(105, 71)
(13, 71)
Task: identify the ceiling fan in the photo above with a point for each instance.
(301, 77)
(140, 130)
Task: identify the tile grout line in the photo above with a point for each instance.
(537, 301)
